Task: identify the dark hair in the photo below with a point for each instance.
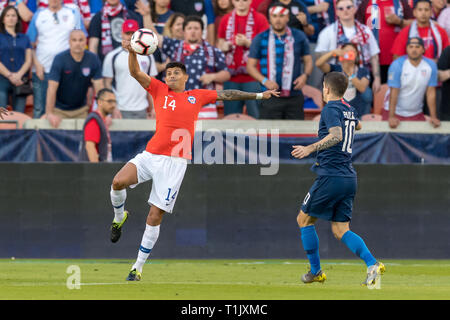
(18, 27)
(153, 14)
(193, 18)
(176, 64)
(419, 40)
(337, 82)
(102, 92)
(418, 1)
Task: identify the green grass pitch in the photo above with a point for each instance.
(220, 280)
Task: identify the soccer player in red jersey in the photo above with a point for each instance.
(165, 157)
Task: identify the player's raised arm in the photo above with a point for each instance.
(242, 95)
(334, 137)
(133, 64)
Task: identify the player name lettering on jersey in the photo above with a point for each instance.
(349, 115)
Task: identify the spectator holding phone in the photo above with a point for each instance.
(358, 92)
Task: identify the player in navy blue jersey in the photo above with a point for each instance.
(331, 196)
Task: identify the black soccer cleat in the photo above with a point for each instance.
(116, 228)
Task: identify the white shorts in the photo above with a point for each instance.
(167, 174)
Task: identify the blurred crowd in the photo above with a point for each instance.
(60, 54)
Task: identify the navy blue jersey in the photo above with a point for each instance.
(337, 160)
(74, 78)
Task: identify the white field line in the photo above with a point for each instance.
(274, 263)
(36, 284)
(59, 284)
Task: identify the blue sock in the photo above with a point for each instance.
(358, 247)
(310, 242)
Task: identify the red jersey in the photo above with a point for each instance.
(176, 113)
(92, 131)
(399, 46)
(387, 32)
(260, 24)
(255, 4)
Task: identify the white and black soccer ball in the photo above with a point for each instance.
(144, 41)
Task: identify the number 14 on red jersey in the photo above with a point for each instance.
(171, 103)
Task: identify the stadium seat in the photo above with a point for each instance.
(378, 99)
(371, 117)
(238, 116)
(14, 120)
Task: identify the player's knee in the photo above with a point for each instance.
(338, 235)
(338, 232)
(299, 220)
(155, 216)
(118, 184)
(302, 220)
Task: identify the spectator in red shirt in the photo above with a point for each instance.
(393, 15)
(434, 36)
(96, 143)
(221, 8)
(236, 32)
(256, 3)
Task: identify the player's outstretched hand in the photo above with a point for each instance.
(301, 152)
(269, 93)
(3, 111)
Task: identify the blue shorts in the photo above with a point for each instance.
(331, 198)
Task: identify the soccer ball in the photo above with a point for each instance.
(144, 42)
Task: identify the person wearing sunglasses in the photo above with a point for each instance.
(96, 143)
(348, 29)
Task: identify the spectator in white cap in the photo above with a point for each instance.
(132, 100)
